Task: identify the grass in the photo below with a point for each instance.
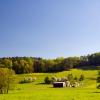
(37, 91)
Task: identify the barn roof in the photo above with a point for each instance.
(59, 82)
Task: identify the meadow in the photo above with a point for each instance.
(39, 91)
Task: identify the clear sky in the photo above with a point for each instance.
(49, 28)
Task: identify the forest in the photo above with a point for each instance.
(34, 64)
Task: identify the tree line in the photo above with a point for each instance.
(32, 64)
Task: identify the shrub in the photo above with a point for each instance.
(98, 79)
(47, 80)
(98, 86)
(6, 80)
(75, 78)
(64, 79)
(99, 72)
(81, 78)
(27, 80)
(53, 79)
(59, 80)
(70, 77)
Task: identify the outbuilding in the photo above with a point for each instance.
(59, 84)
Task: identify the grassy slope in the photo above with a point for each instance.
(38, 91)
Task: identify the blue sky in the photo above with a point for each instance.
(49, 28)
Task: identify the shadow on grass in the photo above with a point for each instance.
(96, 92)
(40, 84)
(48, 85)
(88, 68)
(92, 78)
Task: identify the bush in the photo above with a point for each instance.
(64, 79)
(27, 80)
(6, 80)
(99, 73)
(98, 86)
(47, 80)
(98, 79)
(81, 78)
(59, 80)
(53, 79)
(70, 77)
(75, 78)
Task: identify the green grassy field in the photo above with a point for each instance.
(38, 91)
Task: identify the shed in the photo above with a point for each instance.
(59, 84)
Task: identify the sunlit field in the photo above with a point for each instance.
(39, 91)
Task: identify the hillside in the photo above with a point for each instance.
(38, 91)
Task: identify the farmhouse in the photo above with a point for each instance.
(59, 84)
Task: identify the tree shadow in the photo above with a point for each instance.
(92, 78)
(96, 92)
(87, 67)
(40, 84)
